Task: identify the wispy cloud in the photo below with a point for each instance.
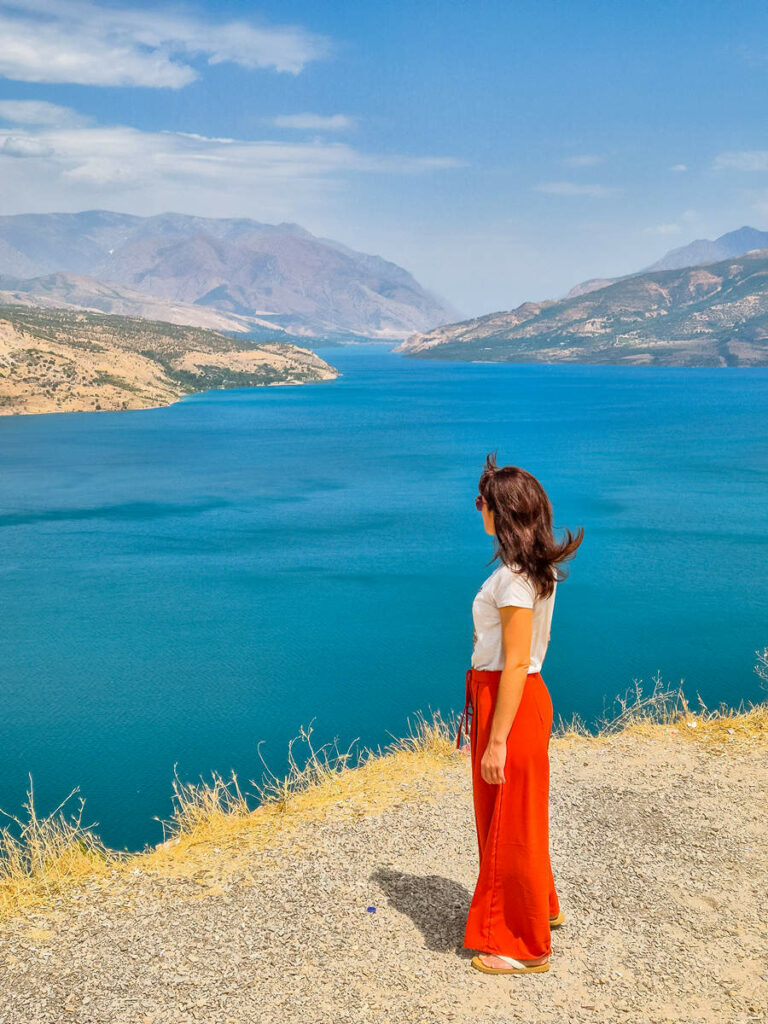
(742, 160)
(315, 122)
(84, 43)
(569, 188)
(66, 166)
(584, 160)
(679, 167)
(22, 146)
(40, 112)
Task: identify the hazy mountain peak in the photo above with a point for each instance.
(701, 250)
(301, 283)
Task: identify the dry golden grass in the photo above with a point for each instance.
(215, 824)
(46, 854)
(333, 783)
(667, 710)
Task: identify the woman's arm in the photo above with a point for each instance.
(516, 630)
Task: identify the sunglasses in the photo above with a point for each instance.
(479, 502)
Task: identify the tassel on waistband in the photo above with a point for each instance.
(465, 715)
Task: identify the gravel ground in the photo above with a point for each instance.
(659, 854)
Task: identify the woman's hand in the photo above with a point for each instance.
(493, 761)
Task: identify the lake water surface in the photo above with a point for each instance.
(179, 584)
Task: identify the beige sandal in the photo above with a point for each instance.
(516, 966)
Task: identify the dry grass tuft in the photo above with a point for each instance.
(329, 781)
(40, 856)
(761, 668)
(666, 710)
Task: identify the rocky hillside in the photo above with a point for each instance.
(713, 315)
(278, 274)
(65, 361)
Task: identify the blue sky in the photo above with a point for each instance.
(502, 152)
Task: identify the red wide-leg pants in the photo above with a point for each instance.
(515, 893)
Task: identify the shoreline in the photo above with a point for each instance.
(176, 400)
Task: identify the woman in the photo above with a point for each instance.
(514, 905)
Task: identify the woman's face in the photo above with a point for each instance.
(488, 520)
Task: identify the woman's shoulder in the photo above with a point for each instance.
(513, 570)
(513, 575)
(504, 572)
(511, 584)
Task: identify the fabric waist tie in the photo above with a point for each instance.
(464, 720)
(479, 675)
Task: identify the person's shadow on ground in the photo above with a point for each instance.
(437, 906)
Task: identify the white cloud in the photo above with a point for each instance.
(81, 42)
(585, 160)
(662, 229)
(314, 122)
(23, 146)
(119, 167)
(39, 112)
(742, 160)
(569, 188)
(679, 167)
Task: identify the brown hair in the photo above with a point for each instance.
(522, 515)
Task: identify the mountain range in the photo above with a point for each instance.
(715, 314)
(235, 274)
(700, 304)
(77, 291)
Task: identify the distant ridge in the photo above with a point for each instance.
(279, 275)
(77, 291)
(696, 253)
(734, 243)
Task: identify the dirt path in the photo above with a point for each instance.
(659, 852)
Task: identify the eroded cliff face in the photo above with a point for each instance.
(467, 331)
(64, 361)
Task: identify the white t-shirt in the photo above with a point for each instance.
(506, 587)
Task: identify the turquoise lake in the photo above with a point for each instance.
(180, 584)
